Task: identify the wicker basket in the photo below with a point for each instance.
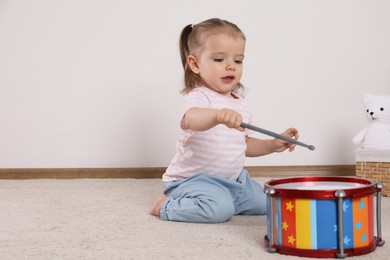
(374, 165)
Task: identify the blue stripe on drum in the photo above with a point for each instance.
(269, 215)
(313, 223)
(348, 223)
(279, 220)
(327, 224)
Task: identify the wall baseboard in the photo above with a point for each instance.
(156, 172)
(292, 171)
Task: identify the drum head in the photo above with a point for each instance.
(320, 187)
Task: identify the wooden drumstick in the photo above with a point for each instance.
(281, 137)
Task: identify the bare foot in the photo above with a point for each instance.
(155, 210)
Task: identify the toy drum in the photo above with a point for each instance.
(323, 216)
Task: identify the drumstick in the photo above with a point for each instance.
(281, 137)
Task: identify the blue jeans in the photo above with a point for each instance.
(206, 198)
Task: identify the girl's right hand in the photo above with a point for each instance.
(230, 118)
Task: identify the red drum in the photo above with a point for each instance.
(322, 216)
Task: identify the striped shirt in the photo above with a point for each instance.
(217, 151)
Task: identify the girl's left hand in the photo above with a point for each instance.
(281, 145)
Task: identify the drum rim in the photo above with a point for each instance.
(369, 187)
(323, 253)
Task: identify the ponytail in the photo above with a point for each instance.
(183, 44)
(191, 80)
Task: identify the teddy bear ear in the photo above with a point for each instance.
(367, 97)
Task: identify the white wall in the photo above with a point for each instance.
(95, 83)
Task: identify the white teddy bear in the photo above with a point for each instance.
(377, 134)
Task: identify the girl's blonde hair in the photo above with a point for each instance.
(192, 39)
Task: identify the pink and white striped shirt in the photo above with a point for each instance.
(217, 151)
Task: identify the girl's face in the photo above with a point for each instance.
(219, 63)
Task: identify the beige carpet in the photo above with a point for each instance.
(107, 219)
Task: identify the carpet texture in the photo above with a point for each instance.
(108, 219)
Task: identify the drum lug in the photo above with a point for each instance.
(341, 195)
(271, 250)
(270, 192)
(379, 186)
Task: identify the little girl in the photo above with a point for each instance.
(206, 181)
